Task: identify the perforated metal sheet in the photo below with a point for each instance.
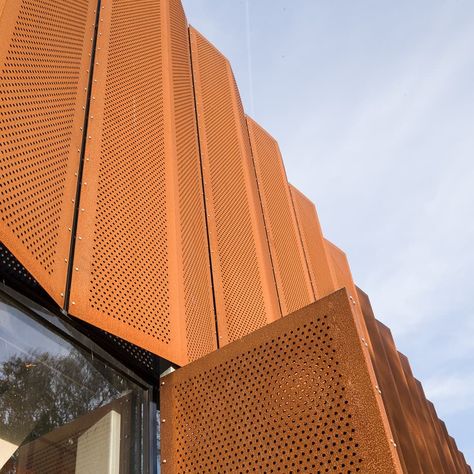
(291, 270)
(410, 408)
(393, 403)
(320, 268)
(296, 396)
(45, 50)
(245, 290)
(141, 268)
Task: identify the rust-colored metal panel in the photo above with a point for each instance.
(408, 404)
(445, 451)
(343, 278)
(423, 417)
(320, 268)
(141, 268)
(291, 271)
(197, 288)
(45, 48)
(244, 285)
(436, 447)
(298, 395)
(393, 403)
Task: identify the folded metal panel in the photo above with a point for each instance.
(244, 285)
(409, 405)
(298, 395)
(445, 451)
(141, 268)
(393, 403)
(45, 49)
(291, 270)
(320, 268)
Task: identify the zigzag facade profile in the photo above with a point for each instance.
(168, 301)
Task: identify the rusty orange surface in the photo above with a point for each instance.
(244, 285)
(393, 403)
(425, 420)
(320, 268)
(141, 262)
(291, 270)
(446, 452)
(410, 409)
(44, 62)
(298, 395)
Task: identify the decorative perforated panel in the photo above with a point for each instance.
(244, 286)
(393, 403)
(296, 396)
(198, 298)
(410, 409)
(289, 263)
(320, 269)
(141, 268)
(45, 51)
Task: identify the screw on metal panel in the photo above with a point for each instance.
(82, 210)
(62, 295)
(80, 238)
(77, 269)
(378, 389)
(73, 302)
(69, 229)
(85, 184)
(72, 200)
(65, 260)
(162, 383)
(365, 342)
(164, 461)
(393, 442)
(163, 420)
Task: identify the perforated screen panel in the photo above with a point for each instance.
(141, 269)
(320, 269)
(45, 50)
(393, 403)
(244, 286)
(291, 270)
(410, 408)
(198, 299)
(296, 396)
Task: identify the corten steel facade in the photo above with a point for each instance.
(147, 219)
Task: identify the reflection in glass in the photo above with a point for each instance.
(62, 410)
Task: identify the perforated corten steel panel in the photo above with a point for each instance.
(141, 268)
(424, 426)
(244, 286)
(296, 396)
(45, 50)
(291, 271)
(320, 268)
(198, 299)
(408, 403)
(394, 407)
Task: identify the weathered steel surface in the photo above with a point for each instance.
(244, 285)
(291, 270)
(45, 52)
(141, 263)
(320, 267)
(298, 395)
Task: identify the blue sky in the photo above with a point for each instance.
(372, 103)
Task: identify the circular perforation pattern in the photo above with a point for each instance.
(279, 407)
(129, 275)
(243, 298)
(38, 101)
(200, 322)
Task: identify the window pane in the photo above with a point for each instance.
(62, 410)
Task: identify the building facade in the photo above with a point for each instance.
(168, 301)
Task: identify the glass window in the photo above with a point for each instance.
(62, 410)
